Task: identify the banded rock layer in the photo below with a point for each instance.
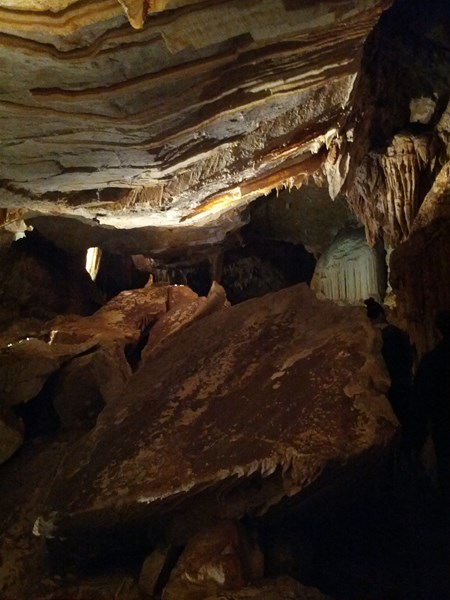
(205, 107)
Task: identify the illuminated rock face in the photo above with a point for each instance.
(389, 187)
(243, 409)
(205, 107)
(350, 270)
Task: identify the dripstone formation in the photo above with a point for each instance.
(196, 198)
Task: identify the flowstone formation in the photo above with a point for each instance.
(350, 270)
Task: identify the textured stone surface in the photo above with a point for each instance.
(420, 267)
(305, 216)
(253, 378)
(219, 558)
(184, 307)
(390, 186)
(152, 569)
(350, 270)
(117, 587)
(87, 383)
(205, 107)
(119, 323)
(26, 365)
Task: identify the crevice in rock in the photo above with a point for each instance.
(38, 414)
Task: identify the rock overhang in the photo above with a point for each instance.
(204, 108)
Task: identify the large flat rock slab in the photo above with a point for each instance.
(242, 409)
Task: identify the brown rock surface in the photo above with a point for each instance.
(41, 281)
(152, 569)
(202, 109)
(119, 325)
(26, 365)
(89, 354)
(246, 407)
(87, 383)
(282, 588)
(420, 267)
(219, 558)
(185, 307)
(389, 186)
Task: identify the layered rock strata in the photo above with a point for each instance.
(262, 401)
(204, 108)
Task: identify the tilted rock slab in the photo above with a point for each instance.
(246, 407)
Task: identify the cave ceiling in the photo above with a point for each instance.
(169, 117)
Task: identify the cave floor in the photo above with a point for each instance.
(386, 542)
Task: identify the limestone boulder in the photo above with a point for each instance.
(27, 364)
(271, 399)
(219, 558)
(185, 307)
(89, 357)
(122, 320)
(87, 383)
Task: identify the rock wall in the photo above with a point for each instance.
(420, 267)
(306, 216)
(390, 187)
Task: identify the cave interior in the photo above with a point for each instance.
(196, 199)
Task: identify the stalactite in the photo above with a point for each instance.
(420, 268)
(388, 187)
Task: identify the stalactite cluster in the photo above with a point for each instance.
(389, 187)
